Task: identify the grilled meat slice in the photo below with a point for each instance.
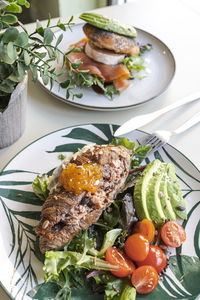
(64, 214)
(112, 41)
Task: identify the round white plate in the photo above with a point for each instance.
(160, 70)
(20, 211)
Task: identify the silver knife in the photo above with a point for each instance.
(142, 120)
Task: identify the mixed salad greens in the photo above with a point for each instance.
(79, 269)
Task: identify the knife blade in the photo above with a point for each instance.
(141, 120)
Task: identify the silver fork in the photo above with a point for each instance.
(160, 137)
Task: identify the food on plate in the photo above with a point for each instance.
(145, 279)
(137, 247)
(146, 228)
(155, 258)
(173, 234)
(92, 231)
(157, 194)
(108, 57)
(116, 257)
(100, 175)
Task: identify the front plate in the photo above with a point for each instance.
(20, 212)
(160, 70)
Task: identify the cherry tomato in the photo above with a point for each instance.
(144, 279)
(173, 234)
(146, 228)
(155, 258)
(137, 247)
(116, 257)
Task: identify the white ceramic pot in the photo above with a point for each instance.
(12, 120)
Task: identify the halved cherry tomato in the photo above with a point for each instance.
(144, 279)
(173, 234)
(155, 258)
(137, 247)
(116, 257)
(146, 228)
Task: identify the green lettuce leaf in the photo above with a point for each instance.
(40, 186)
(57, 261)
(109, 240)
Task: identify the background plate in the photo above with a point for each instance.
(160, 65)
(20, 211)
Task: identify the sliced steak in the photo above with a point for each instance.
(112, 41)
(64, 214)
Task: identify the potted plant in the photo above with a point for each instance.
(20, 52)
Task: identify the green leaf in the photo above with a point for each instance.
(5, 70)
(40, 186)
(12, 54)
(21, 69)
(39, 28)
(49, 20)
(61, 26)
(109, 240)
(27, 58)
(112, 218)
(34, 72)
(27, 4)
(48, 36)
(124, 142)
(22, 39)
(59, 40)
(21, 2)
(9, 19)
(14, 8)
(10, 35)
(65, 84)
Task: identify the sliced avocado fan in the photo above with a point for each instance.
(108, 24)
(157, 194)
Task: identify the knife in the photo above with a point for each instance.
(142, 120)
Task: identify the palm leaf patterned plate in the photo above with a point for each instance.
(20, 211)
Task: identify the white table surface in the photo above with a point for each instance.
(176, 23)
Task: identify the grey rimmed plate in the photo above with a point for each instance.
(20, 211)
(160, 70)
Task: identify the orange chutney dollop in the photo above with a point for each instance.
(77, 179)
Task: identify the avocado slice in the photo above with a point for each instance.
(157, 194)
(141, 189)
(164, 197)
(153, 197)
(108, 24)
(175, 194)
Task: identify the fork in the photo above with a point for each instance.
(160, 137)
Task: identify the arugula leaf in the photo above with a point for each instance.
(139, 155)
(134, 62)
(83, 78)
(40, 186)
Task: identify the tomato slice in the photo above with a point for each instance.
(116, 257)
(146, 228)
(137, 247)
(155, 258)
(173, 234)
(144, 279)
